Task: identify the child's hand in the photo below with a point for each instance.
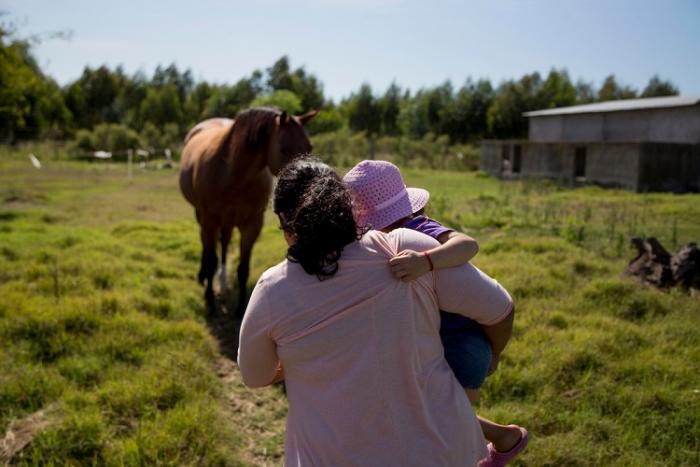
(279, 374)
(409, 265)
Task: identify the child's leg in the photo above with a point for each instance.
(468, 352)
(503, 437)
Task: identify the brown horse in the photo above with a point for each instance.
(226, 174)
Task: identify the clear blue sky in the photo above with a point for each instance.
(417, 43)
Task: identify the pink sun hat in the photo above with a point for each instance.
(380, 196)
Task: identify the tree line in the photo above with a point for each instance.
(157, 110)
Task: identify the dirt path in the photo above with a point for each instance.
(259, 415)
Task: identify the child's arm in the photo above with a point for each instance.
(455, 249)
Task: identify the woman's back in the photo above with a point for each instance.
(364, 368)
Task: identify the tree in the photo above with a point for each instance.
(610, 90)
(278, 75)
(182, 82)
(657, 88)
(31, 104)
(584, 92)
(282, 99)
(50, 116)
(413, 116)
(464, 117)
(437, 99)
(306, 86)
(389, 106)
(227, 101)
(196, 103)
(162, 105)
(17, 82)
(92, 98)
(363, 111)
(505, 115)
(132, 91)
(556, 91)
(481, 99)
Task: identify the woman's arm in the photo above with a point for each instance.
(499, 334)
(467, 291)
(464, 289)
(455, 249)
(257, 352)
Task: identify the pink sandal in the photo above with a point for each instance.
(500, 459)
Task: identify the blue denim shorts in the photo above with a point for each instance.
(467, 349)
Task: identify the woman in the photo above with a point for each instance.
(359, 351)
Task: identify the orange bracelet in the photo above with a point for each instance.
(430, 261)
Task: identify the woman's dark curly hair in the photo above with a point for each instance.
(317, 211)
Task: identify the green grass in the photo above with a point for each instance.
(103, 324)
(101, 320)
(601, 370)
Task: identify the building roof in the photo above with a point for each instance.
(620, 105)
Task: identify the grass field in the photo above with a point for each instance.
(107, 355)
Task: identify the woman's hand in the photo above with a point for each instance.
(409, 265)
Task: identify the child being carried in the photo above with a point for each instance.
(382, 202)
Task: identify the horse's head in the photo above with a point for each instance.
(292, 139)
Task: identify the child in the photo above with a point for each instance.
(382, 202)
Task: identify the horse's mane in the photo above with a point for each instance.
(252, 126)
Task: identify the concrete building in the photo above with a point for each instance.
(650, 144)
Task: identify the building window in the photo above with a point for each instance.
(517, 156)
(580, 162)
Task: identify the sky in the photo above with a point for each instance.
(415, 43)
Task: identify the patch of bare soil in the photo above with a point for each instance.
(21, 432)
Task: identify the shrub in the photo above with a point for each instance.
(116, 137)
(151, 135)
(326, 121)
(344, 148)
(172, 136)
(106, 137)
(84, 140)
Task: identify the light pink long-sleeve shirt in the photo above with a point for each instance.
(366, 379)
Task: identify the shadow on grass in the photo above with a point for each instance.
(224, 322)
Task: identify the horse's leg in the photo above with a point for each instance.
(249, 234)
(226, 233)
(209, 260)
(201, 275)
